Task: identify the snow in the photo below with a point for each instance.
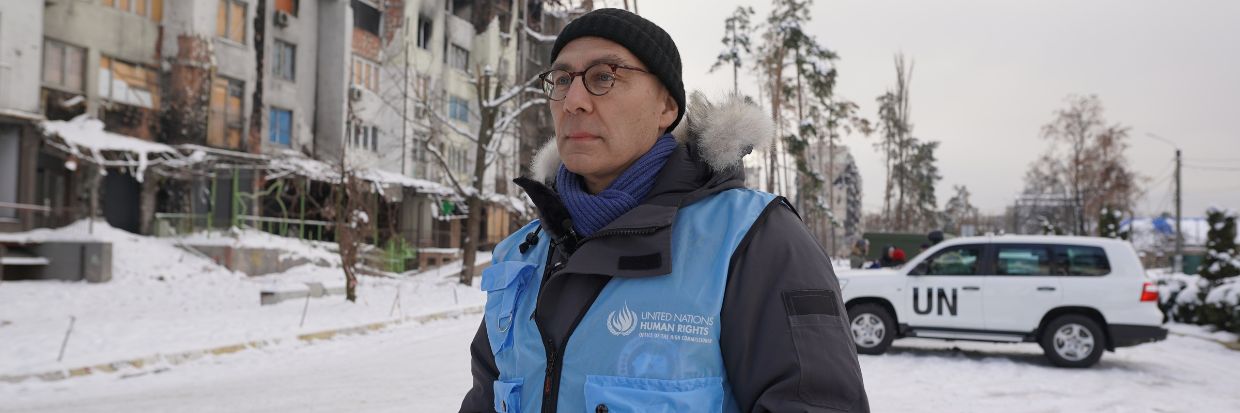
(440, 250)
(294, 163)
(412, 368)
(1227, 293)
(85, 133)
(425, 368)
(82, 230)
(543, 38)
(21, 114)
(318, 252)
(166, 300)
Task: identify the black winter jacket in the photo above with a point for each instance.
(778, 275)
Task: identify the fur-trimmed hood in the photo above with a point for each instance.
(722, 134)
(713, 139)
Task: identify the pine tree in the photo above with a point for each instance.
(1109, 221)
(1221, 260)
(736, 31)
(1220, 267)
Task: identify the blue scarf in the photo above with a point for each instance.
(592, 212)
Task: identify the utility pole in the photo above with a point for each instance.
(1178, 260)
(1179, 219)
(404, 104)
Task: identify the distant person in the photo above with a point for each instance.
(887, 260)
(898, 257)
(856, 257)
(935, 237)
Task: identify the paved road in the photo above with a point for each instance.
(410, 368)
(425, 369)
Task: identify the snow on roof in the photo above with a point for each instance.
(512, 203)
(421, 185)
(294, 163)
(543, 38)
(20, 114)
(84, 135)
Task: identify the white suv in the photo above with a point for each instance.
(1076, 296)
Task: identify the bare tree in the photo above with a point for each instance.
(1085, 163)
(352, 216)
(959, 210)
(498, 108)
(495, 120)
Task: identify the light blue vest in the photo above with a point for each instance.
(646, 344)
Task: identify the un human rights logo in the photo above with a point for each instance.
(622, 323)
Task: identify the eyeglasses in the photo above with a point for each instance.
(598, 80)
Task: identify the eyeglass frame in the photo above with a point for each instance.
(582, 74)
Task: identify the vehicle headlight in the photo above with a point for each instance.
(843, 283)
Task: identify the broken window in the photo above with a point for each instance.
(144, 8)
(230, 20)
(365, 73)
(285, 55)
(287, 6)
(128, 83)
(424, 32)
(366, 17)
(63, 65)
(225, 120)
(458, 58)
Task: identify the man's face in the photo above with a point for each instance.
(600, 136)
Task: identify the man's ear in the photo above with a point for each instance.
(668, 114)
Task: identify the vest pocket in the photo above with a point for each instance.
(626, 394)
(508, 395)
(503, 283)
(829, 377)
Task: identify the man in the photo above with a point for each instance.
(856, 256)
(654, 281)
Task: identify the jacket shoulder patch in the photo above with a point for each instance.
(640, 262)
(807, 302)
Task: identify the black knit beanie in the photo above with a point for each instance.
(642, 37)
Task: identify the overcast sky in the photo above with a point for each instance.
(989, 74)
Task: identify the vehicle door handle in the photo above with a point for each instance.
(1046, 288)
(972, 288)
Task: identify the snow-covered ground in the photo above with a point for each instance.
(425, 368)
(165, 300)
(422, 368)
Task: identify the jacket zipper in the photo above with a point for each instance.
(548, 345)
(555, 361)
(620, 231)
(555, 356)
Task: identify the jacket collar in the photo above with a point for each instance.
(713, 139)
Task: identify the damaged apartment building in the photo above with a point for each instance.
(166, 116)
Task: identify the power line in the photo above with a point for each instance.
(1213, 159)
(1214, 168)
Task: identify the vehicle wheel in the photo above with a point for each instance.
(1073, 341)
(872, 327)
